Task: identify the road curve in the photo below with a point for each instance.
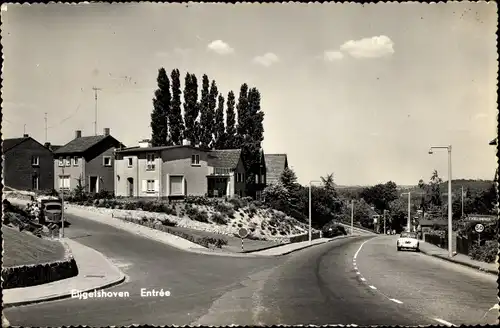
(318, 285)
(195, 282)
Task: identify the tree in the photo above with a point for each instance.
(328, 183)
(220, 133)
(230, 135)
(161, 111)
(175, 120)
(212, 105)
(380, 195)
(255, 117)
(243, 117)
(431, 199)
(191, 109)
(205, 124)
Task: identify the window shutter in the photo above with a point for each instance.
(157, 185)
(144, 185)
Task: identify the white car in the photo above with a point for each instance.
(408, 240)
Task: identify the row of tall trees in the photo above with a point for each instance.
(201, 120)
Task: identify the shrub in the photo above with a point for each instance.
(252, 209)
(485, 253)
(218, 218)
(200, 216)
(224, 208)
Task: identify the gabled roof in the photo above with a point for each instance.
(227, 158)
(13, 142)
(276, 164)
(81, 145)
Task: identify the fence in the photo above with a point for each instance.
(439, 241)
(304, 237)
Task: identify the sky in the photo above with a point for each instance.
(360, 91)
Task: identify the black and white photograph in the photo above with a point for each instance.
(249, 164)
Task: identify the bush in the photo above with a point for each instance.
(252, 209)
(485, 253)
(200, 216)
(336, 230)
(304, 237)
(168, 223)
(218, 218)
(225, 209)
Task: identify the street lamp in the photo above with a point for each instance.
(310, 210)
(409, 208)
(352, 217)
(450, 225)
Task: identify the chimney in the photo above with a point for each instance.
(47, 145)
(78, 134)
(144, 143)
(186, 142)
(106, 131)
(26, 135)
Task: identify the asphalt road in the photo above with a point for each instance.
(318, 285)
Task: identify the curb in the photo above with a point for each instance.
(307, 246)
(473, 266)
(65, 295)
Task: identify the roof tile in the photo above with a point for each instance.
(227, 158)
(275, 164)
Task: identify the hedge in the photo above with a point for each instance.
(485, 253)
(203, 241)
(33, 275)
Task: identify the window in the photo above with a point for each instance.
(240, 177)
(222, 171)
(130, 161)
(75, 161)
(106, 160)
(150, 162)
(68, 161)
(35, 160)
(64, 182)
(263, 178)
(256, 178)
(151, 186)
(61, 162)
(195, 160)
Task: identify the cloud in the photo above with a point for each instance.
(377, 46)
(331, 55)
(267, 59)
(162, 54)
(220, 47)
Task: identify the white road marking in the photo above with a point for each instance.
(373, 287)
(357, 272)
(444, 322)
(494, 307)
(355, 268)
(396, 301)
(363, 279)
(357, 252)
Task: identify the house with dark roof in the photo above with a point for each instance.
(275, 165)
(89, 160)
(28, 165)
(178, 171)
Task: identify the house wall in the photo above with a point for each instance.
(239, 187)
(74, 172)
(18, 170)
(123, 172)
(94, 164)
(177, 161)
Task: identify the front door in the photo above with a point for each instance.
(92, 185)
(130, 187)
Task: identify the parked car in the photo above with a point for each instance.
(408, 240)
(50, 209)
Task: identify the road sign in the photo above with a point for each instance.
(481, 218)
(243, 232)
(479, 228)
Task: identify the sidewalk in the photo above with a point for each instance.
(95, 271)
(432, 250)
(289, 248)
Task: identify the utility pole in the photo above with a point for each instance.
(384, 223)
(24, 130)
(462, 201)
(95, 122)
(352, 217)
(45, 127)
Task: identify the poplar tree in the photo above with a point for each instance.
(191, 108)
(220, 133)
(205, 126)
(230, 134)
(210, 118)
(161, 111)
(243, 116)
(176, 123)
